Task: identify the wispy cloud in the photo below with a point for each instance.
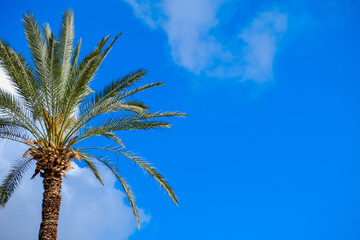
(147, 11)
(261, 39)
(195, 45)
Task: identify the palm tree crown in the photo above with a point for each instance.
(53, 106)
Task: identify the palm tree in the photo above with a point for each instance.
(54, 109)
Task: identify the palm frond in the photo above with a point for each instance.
(139, 89)
(21, 77)
(112, 105)
(53, 86)
(127, 122)
(92, 166)
(146, 166)
(86, 133)
(10, 130)
(136, 121)
(78, 88)
(123, 183)
(14, 133)
(110, 91)
(13, 179)
(64, 48)
(10, 107)
(108, 48)
(38, 50)
(74, 61)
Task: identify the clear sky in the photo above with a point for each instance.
(270, 150)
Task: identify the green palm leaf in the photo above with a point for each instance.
(13, 179)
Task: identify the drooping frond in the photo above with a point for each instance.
(151, 170)
(13, 179)
(109, 135)
(146, 166)
(123, 183)
(93, 167)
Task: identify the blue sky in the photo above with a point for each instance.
(270, 149)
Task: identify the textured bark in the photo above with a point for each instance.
(50, 207)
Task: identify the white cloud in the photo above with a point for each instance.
(261, 40)
(148, 12)
(191, 29)
(187, 26)
(88, 210)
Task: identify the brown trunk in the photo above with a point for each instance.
(50, 207)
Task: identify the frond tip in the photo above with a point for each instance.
(125, 186)
(151, 170)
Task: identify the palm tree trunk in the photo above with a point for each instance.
(50, 208)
